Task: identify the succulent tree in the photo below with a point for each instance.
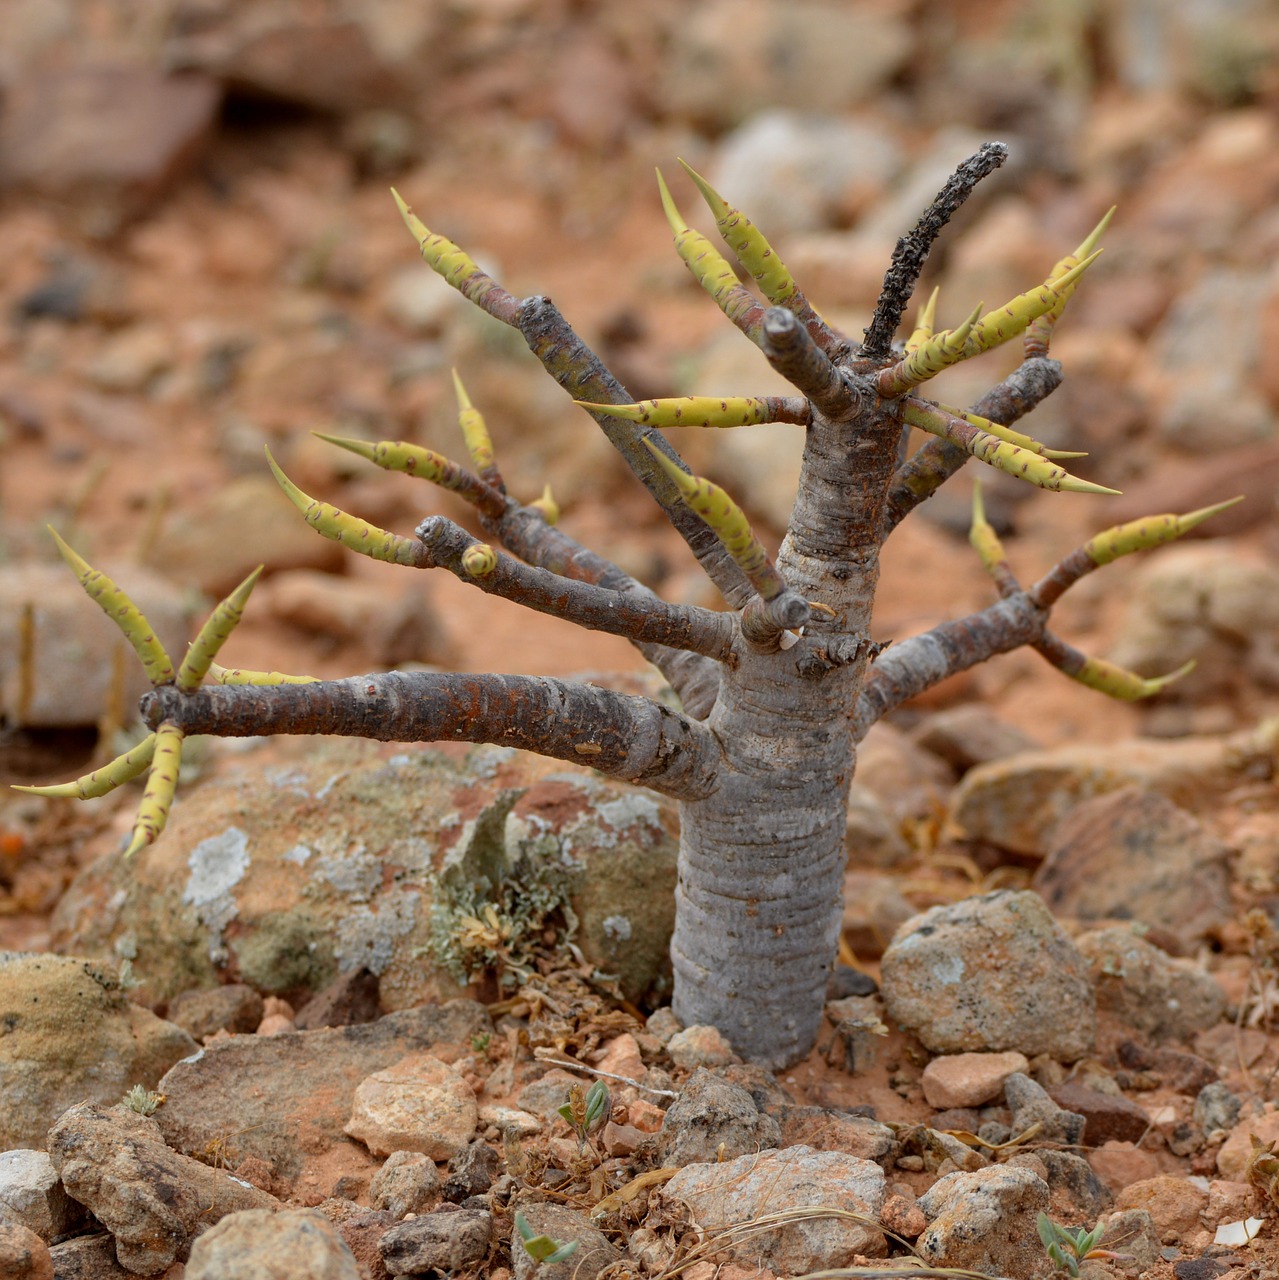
(777, 690)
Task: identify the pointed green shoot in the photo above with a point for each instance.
(981, 533)
(162, 783)
(928, 359)
(349, 530)
(1039, 331)
(1012, 437)
(1151, 531)
(710, 268)
(748, 243)
(213, 635)
(1009, 321)
(709, 411)
(123, 612)
(924, 325)
(479, 444)
(729, 524)
(1127, 686)
(104, 780)
(986, 447)
(426, 464)
(458, 267)
(546, 504)
(234, 675)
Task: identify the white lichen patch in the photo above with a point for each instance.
(217, 865)
(286, 779)
(618, 928)
(367, 938)
(298, 855)
(352, 870)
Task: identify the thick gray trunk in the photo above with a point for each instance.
(762, 858)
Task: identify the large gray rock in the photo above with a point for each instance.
(72, 1034)
(990, 973)
(32, 1194)
(153, 1200)
(1135, 855)
(712, 1119)
(361, 855)
(274, 1246)
(733, 1192)
(985, 1221)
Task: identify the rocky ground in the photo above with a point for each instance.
(348, 1063)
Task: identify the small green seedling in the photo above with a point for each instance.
(586, 1111)
(144, 1101)
(1067, 1247)
(542, 1248)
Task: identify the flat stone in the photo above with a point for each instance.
(700, 1047)
(593, 1254)
(714, 1119)
(236, 1007)
(969, 1079)
(303, 1084)
(416, 1104)
(1174, 1204)
(1107, 1117)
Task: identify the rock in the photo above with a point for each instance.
(1076, 1192)
(823, 58)
(969, 1079)
(129, 361)
(1107, 1117)
(72, 1033)
(874, 910)
(235, 1007)
(362, 1231)
(407, 1182)
(1016, 804)
(1153, 993)
(366, 856)
(824, 1129)
(218, 541)
(87, 1258)
(593, 1254)
(154, 1201)
(1031, 1105)
(969, 735)
(1205, 348)
(339, 62)
(714, 1119)
(32, 1195)
(108, 141)
(1236, 1151)
(391, 627)
(994, 972)
(275, 1246)
(448, 1241)
(349, 1000)
(908, 781)
(545, 1095)
(791, 172)
(1119, 1163)
(23, 1254)
(984, 1221)
(700, 1047)
(472, 1171)
(75, 647)
(1132, 1232)
(872, 836)
(1210, 602)
(1216, 1107)
(1174, 1205)
(416, 1104)
(723, 1195)
(304, 1084)
(1133, 854)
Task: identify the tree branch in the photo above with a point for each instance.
(524, 533)
(643, 619)
(583, 375)
(627, 737)
(912, 249)
(908, 668)
(936, 460)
